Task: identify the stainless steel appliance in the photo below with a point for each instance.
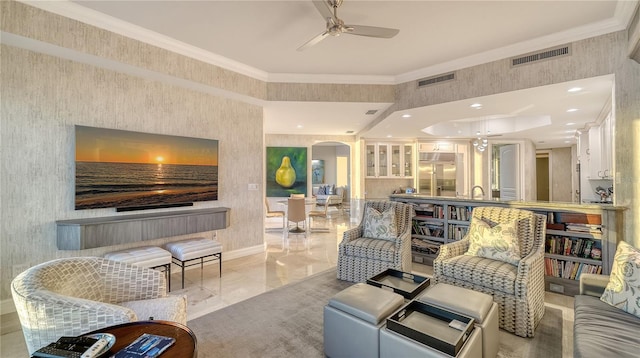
(437, 173)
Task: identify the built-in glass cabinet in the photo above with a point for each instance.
(389, 160)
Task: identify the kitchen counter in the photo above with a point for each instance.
(553, 205)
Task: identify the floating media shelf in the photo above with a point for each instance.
(81, 234)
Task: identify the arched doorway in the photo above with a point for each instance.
(331, 165)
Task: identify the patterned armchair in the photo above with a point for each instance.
(72, 296)
(361, 257)
(518, 290)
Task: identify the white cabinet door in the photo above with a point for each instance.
(606, 139)
(389, 160)
(509, 172)
(595, 153)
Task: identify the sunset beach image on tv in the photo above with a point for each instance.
(124, 169)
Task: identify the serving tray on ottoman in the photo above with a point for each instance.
(429, 325)
(403, 283)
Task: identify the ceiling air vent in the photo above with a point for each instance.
(372, 111)
(436, 79)
(349, 132)
(560, 51)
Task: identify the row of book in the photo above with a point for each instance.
(457, 232)
(425, 246)
(585, 228)
(461, 213)
(573, 246)
(429, 210)
(428, 228)
(568, 269)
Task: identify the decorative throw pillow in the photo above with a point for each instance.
(623, 289)
(499, 242)
(380, 225)
(321, 190)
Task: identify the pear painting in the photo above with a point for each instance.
(286, 175)
(286, 171)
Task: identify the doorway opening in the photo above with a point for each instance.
(543, 188)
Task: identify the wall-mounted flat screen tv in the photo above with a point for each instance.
(132, 170)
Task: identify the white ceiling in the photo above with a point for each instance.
(260, 38)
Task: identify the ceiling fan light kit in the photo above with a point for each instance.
(328, 9)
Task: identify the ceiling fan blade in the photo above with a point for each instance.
(372, 31)
(313, 41)
(324, 8)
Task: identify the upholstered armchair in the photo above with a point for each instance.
(382, 240)
(517, 286)
(72, 296)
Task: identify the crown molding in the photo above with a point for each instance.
(81, 57)
(94, 18)
(334, 79)
(623, 14)
(559, 38)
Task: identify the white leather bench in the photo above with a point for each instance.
(147, 256)
(186, 251)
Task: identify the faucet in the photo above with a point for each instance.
(473, 196)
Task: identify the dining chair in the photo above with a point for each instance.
(318, 214)
(297, 196)
(296, 213)
(275, 213)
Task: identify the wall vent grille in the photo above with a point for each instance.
(436, 79)
(560, 51)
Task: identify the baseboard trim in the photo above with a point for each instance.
(252, 250)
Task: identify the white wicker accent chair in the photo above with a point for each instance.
(361, 257)
(72, 296)
(518, 290)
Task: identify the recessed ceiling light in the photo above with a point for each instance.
(406, 115)
(574, 89)
(389, 136)
(567, 141)
(476, 105)
(299, 126)
(570, 124)
(572, 110)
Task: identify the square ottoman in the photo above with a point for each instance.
(477, 305)
(353, 318)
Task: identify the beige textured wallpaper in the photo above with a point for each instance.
(44, 97)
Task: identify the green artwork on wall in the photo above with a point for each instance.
(286, 171)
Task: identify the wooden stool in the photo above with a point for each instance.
(147, 256)
(186, 251)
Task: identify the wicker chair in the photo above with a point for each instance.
(518, 290)
(72, 296)
(360, 257)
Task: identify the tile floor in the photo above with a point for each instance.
(284, 261)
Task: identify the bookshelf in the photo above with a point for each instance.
(579, 238)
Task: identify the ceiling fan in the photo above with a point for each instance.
(335, 26)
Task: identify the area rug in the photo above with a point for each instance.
(287, 322)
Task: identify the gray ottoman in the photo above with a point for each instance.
(476, 305)
(394, 345)
(353, 318)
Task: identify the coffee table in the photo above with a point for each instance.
(186, 344)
